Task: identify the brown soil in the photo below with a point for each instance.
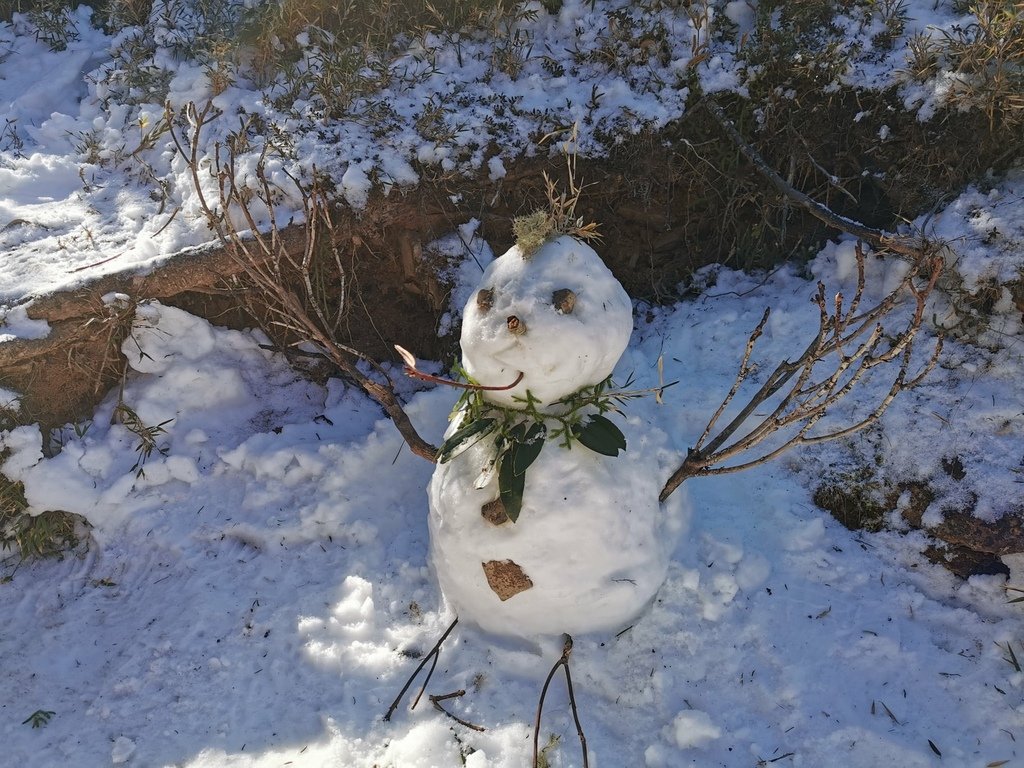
(965, 544)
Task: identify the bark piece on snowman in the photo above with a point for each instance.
(534, 475)
(505, 578)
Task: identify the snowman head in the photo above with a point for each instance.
(559, 317)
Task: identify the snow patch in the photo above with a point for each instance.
(693, 729)
(16, 324)
(122, 750)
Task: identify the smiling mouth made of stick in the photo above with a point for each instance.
(411, 370)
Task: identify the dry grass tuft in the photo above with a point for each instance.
(560, 218)
(47, 534)
(987, 57)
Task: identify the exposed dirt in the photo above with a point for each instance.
(966, 562)
(63, 376)
(965, 544)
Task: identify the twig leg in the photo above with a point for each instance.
(423, 662)
(562, 662)
(575, 713)
(426, 681)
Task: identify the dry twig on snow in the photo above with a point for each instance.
(278, 271)
(438, 698)
(433, 655)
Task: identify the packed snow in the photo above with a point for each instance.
(257, 590)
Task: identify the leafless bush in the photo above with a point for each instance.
(289, 279)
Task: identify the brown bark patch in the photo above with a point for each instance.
(961, 528)
(506, 578)
(494, 512)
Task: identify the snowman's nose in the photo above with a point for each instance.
(515, 325)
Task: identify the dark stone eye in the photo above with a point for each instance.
(485, 299)
(515, 325)
(564, 301)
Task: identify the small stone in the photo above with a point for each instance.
(494, 512)
(564, 301)
(485, 299)
(506, 579)
(515, 325)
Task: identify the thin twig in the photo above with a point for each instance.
(426, 681)
(563, 663)
(435, 651)
(743, 372)
(97, 263)
(436, 701)
(415, 373)
(908, 246)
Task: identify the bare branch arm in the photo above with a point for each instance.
(267, 262)
(801, 398)
(744, 370)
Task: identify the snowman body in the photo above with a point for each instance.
(591, 546)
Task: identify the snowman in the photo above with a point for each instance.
(542, 522)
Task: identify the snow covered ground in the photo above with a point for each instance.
(259, 594)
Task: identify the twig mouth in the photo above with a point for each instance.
(412, 371)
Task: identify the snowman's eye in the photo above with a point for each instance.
(563, 301)
(485, 299)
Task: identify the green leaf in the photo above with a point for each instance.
(510, 487)
(449, 446)
(600, 436)
(521, 449)
(526, 451)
